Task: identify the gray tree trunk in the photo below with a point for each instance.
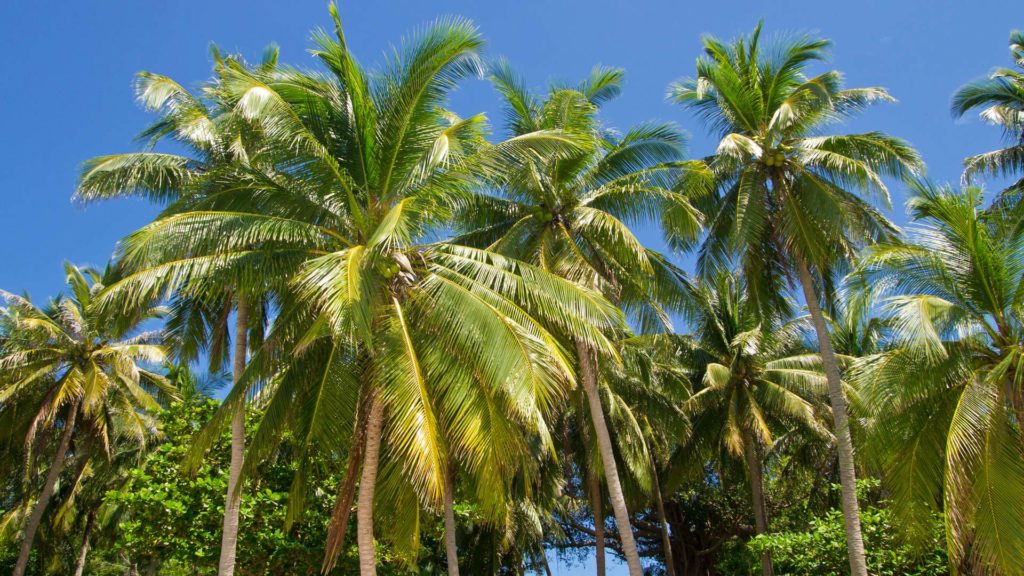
(32, 526)
(844, 441)
(757, 497)
(588, 377)
(233, 500)
(83, 550)
(666, 542)
(597, 507)
(367, 486)
(450, 544)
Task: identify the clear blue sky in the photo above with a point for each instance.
(65, 91)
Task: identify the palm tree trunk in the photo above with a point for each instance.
(757, 497)
(338, 525)
(44, 497)
(450, 544)
(233, 500)
(844, 441)
(367, 485)
(666, 542)
(588, 376)
(83, 550)
(544, 561)
(597, 506)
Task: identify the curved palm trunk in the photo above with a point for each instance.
(83, 551)
(343, 503)
(588, 377)
(757, 497)
(666, 541)
(367, 485)
(450, 544)
(44, 497)
(597, 506)
(844, 441)
(233, 500)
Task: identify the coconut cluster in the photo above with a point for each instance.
(774, 159)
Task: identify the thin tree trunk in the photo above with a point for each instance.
(844, 441)
(450, 544)
(83, 550)
(544, 560)
(588, 376)
(757, 497)
(44, 497)
(151, 569)
(666, 542)
(233, 500)
(597, 507)
(367, 485)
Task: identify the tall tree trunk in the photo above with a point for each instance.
(757, 497)
(588, 376)
(844, 442)
(450, 544)
(367, 485)
(83, 550)
(597, 507)
(233, 500)
(44, 497)
(666, 542)
(151, 569)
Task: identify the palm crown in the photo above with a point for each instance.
(1000, 97)
(954, 299)
(571, 214)
(787, 190)
(71, 357)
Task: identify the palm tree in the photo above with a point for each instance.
(1000, 97)
(569, 216)
(789, 206)
(385, 343)
(214, 140)
(77, 369)
(756, 381)
(644, 394)
(949, 438)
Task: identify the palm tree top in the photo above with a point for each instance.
(74, 353)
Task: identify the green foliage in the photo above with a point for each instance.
(821, 548)
(320, 201)
(176, 517)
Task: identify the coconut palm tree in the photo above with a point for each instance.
(73, 369)
(385, 343)
(645, 393)
(949, 438)
(1000, 98)
(791, 204)
(756, 382)
(214, 140)
(570, 215)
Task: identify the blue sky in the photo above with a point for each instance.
(65, 94)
